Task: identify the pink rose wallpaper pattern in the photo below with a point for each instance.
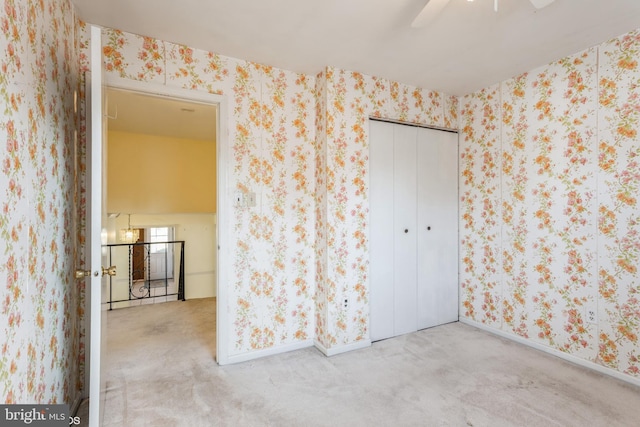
(548, 214)
(40, 353)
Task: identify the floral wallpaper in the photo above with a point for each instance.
(300, 143)
(320, 200)
(272, 137)
(548, 196)
(548, 214)
(618, 216)
(39, 317)
(347, 100)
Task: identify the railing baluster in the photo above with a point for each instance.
(131, 271)
(110, 282)
(181, 276)
(145, 289)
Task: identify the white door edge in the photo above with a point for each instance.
(94, 227)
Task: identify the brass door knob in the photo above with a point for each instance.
(81, 274)
(111, 271)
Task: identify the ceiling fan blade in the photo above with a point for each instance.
(430, 12)
(539, 4)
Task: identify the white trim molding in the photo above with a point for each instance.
(567, 357)
(342, 348)
(252, 355)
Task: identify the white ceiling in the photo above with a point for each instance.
(155, 115)
(467, 48)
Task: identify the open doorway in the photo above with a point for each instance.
(162, 178)
(161, 253)
(153, 261)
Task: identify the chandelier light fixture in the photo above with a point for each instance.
(129, 235)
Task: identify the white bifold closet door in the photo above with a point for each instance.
(414, 228)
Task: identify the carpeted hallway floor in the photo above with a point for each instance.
(161, 372)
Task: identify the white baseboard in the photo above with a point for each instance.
(342, 348)
(568, 357)
(245, 357)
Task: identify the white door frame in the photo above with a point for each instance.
(222, 191)
(96, 289)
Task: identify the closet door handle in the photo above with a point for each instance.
(406, 230)
(428, 228)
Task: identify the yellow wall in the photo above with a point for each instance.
(154, 174)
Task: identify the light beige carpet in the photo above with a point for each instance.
(161, 372)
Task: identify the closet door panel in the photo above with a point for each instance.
(437, 195)
(404, 228)
(381, 241)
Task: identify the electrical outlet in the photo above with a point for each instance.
(592, 317)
